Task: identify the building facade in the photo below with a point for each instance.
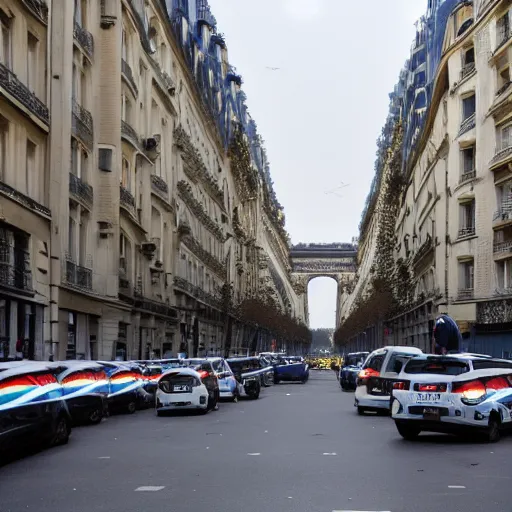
(145, 212)
(451, 234)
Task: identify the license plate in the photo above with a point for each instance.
(430, 413)
(428, 397)
(181, 388)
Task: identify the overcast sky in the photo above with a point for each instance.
(321, 112)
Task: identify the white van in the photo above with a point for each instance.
(374, 383)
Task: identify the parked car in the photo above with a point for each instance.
(245, 374)
(267, 378)
(350, 369)
(290, 371)
(183, 388)
(85, 388)
(205, 369)
(31, 408)
(125, 387)
(375, 380)
(229, 387)
(456, 394)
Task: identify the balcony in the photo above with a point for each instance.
(465, 294)
(82, 124)
(126, 72)
(80, 190)
(503, 152)
(466, 232)
(467, 69)
(23, 199)
(468, 124)
(159, 186)
(78, 276)
(503, 216)
(197, 292)
(125, 286)
(467, 176)
(14, 268)
(204, 14)
(126, 199)
(84, 39)
(502, 249)
(128, 132)
(503, 34)
(12, 85)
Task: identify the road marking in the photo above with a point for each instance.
(333, 453)
(103, 457)
(150, 488)
(360, 511)
(288, 394)
(456, 487)
(254, 454)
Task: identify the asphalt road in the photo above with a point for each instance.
(299, 448)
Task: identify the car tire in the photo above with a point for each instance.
(60, 435)
(493, 430)
(408, 432)
(131, 407)
(95, 416)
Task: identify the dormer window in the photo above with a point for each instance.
(463, 19)
(153, 39)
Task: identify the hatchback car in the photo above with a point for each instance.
(31, 407)
(205, 369)
(375, 380)
(462, 393)
(182, 388)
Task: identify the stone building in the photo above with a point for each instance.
(146, 205)
(452, 231)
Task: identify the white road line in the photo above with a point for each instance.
(103, 457)
(360, 511)
(150, 488)
(254, 454)
(456, 487)
(333, 453)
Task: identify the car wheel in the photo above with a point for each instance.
(408, 432)
(95, 416)
(61, 433)
(131, 407)
(361, 410)
(493, 430)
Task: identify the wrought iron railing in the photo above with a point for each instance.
(84, 38)
(14, 268)
(503, 147)
(466, 176)
(127, 199)
(502, 246)
(126, 70)
(467, 69)
(82, 124)
(503, 32)
(81, 190)
(465, 294)
(25, 200)
(159, 185)
(10, 82)
(466, 231)
(504, 212)
(197, 292)
(468, 124)
(128, 131)
(77, 275)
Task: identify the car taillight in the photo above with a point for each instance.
(401, 384)
(472, 392)
(427, 387)
(367, 373)
(203, 374)
(497, 383)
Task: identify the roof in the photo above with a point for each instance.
(181, 371)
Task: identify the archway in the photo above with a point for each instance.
(337, 261)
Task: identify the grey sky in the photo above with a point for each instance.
(322, 111)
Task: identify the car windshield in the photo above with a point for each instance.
(441, 367)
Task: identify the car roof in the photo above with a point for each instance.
(397, 348)
(181, 371)
(459, 357)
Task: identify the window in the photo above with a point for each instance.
(126, 109)
(74, 83)
(81, 12)
(502, 29)
(503, 73)
(468, 162)
(30, 169)
(467, 275)
(375, 362)
(124, 45)
(467, 218)
(32, 43)
(122, 255)
(504, 275)
(468, 106)
(125, 175)
(4, 138)
(71, 238)
(504, 137)
(6, 39)
(82, 240)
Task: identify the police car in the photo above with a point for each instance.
(463, 393)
